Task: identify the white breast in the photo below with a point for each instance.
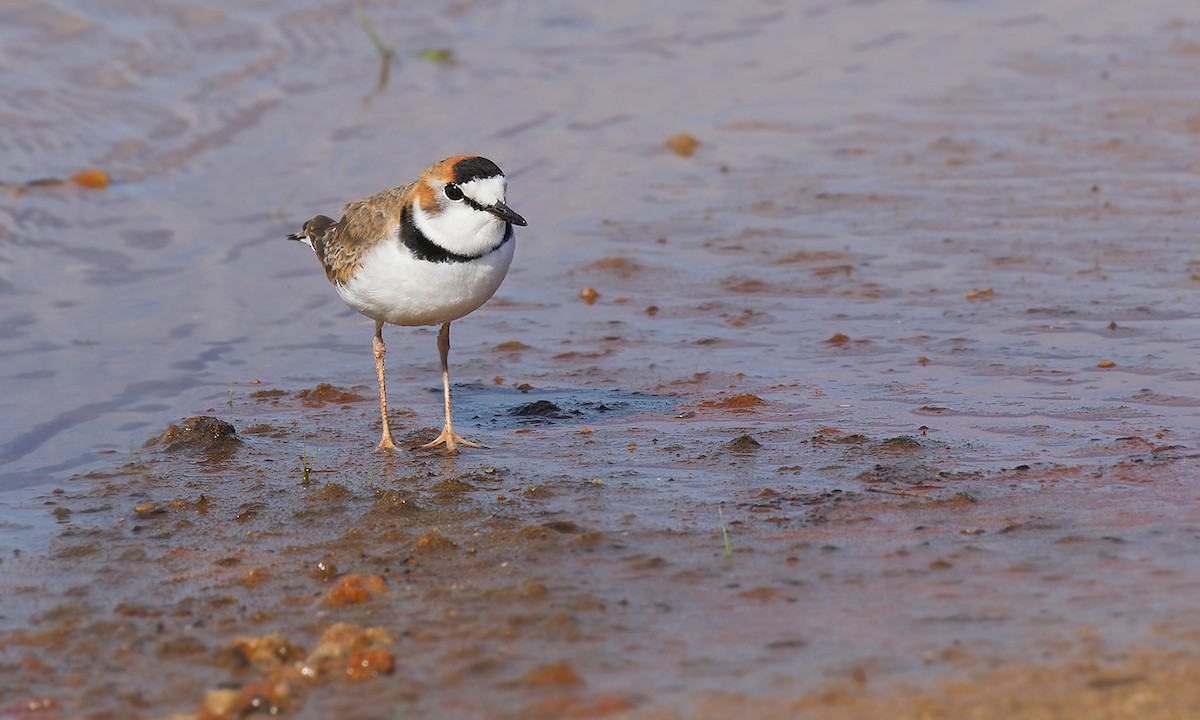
(395, 287)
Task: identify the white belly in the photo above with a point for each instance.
(393, 286)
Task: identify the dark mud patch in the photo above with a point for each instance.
(743, 444)
(736, 403)
(507, 407)
(539, 409)
(208, 436)
(326, 393)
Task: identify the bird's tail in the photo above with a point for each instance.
(314, 232)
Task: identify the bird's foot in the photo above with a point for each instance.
(451, 440)
(385, 442)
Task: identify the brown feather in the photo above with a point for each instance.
(364, 223)
(341, 246)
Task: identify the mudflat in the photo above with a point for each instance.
(846, 368)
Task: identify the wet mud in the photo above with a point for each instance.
(650, 566)
(854, 381)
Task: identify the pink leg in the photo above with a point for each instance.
(385, 442)
(448, 437)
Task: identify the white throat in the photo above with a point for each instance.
(461, 228)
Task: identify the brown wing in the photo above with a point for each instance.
(364, 223)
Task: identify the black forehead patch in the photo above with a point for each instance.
(474, 168)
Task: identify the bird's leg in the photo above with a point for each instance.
(448, 437)
(385, 442)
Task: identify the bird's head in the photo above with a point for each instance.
(460, 203)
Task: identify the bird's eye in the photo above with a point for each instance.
(453, 191)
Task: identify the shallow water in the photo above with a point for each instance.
(938, 241)
(861, 184)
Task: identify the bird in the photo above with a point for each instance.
(425, 253)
